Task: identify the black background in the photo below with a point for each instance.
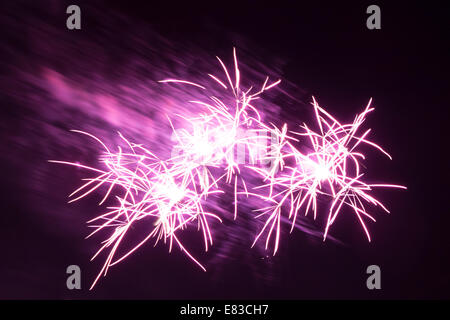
(331, 54)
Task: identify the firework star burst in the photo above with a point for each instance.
(170, 193)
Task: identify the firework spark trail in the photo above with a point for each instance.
(170, 192)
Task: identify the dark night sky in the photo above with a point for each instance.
(328, 52)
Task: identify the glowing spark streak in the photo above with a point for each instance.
(182, 81)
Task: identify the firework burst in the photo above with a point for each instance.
(330, 169)
(145, 188)
(170, 193)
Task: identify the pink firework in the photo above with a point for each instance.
(170, 193)
(216, 134)
(331, 168)
(145, 188)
